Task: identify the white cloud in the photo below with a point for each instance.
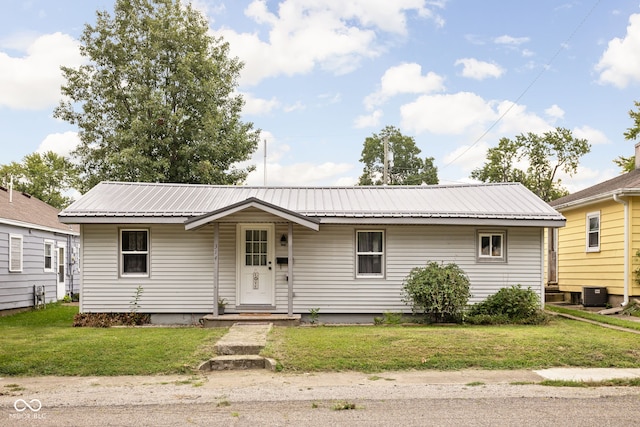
(620, 63)
(302, 174)
(511, 41)
(554, 112)
(452, 114)
(479, 70)
(371, 120)
(60, 143)
(592, 135)
(585, 177)
(515, 119)
(334, 35)
(32, 82)
(404, 78)
(258, 106)
(468, 157)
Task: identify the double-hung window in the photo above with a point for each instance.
(492, 246)
(134, 252)
(15, 253)
(593, 232)
(48, 256)
(370, 253)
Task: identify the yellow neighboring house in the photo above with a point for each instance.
(598, 246)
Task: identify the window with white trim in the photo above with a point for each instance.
(134, 252)
(492, 246)
(48, 255)
(593, 232)
(369, 253)
(15, 253)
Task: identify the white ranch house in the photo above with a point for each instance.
(287, 250)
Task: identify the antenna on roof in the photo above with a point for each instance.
(265, 162)
(11, 189)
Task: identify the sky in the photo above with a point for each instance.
(320, 76)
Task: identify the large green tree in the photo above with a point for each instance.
(405, 166)
(47, 176)
(155, 101)
(543, 155)
(627, 164)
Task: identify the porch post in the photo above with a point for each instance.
(216, 269)
(290, 269)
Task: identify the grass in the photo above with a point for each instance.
(43, 342)
(589, 315)
(562, 342)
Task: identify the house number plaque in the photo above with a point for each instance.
(256, 280)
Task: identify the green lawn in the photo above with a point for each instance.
(43, 342)
(563, 342)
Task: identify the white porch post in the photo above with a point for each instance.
(290, 269)
(216, 269)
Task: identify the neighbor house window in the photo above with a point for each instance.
(48, 255)
(134, 252)
(593, 232)
(15, 253)
(491, 246)
(369, 253)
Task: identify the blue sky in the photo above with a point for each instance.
(322, 75)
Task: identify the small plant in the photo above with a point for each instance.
(314, 315)
(439, 292)
(341, 406)
(314, 405)
(135, 302)
(66, 299)
(222, 303)
(389, 318)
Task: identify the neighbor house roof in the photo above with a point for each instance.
(488, 204)
(23, 210)
(627, 184)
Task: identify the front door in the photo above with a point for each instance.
(61, 270)
(255, 264)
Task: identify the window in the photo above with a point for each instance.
(491, 246)
(593, 232)
(48, 255)
(134, 252)
(369, 253)
(15, 253)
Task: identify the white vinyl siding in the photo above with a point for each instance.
(15, 253)
(324, 267)
(593, 232)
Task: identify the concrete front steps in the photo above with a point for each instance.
(240, 348)
(226, 320)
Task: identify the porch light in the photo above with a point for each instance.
(283, 240)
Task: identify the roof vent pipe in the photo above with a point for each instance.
(11, 189)
(638, 155)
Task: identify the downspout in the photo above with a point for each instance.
(616, 198)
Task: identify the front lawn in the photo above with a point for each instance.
(563, 342)
(43, 342)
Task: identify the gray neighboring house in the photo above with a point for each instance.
(35, 249)
(287, 250)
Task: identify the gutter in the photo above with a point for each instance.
(625, 203)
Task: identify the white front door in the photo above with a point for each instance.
(61, 271)
(255, 264)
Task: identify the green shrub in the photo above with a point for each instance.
(509, 305)
(439, 292)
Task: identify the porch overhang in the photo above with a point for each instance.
(252, 202)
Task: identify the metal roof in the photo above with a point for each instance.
(152, 202)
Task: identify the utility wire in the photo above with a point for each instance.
(522, 94)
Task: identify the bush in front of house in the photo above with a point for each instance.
(439, 292)
(512, 305)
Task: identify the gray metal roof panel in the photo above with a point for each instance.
(508, 201)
